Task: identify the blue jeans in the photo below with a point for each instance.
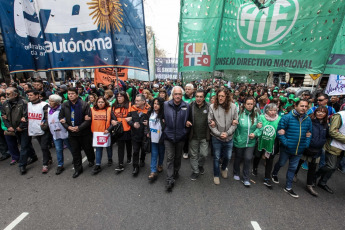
(157, 151)
(59, 149)
(99, 153)
(293, 163)
(223, 149)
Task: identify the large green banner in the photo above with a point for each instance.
(293, 36)
(336, 61)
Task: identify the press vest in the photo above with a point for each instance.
(336, 143)
(35, 117)
(100, 119)
(56, 128)
(121, 114)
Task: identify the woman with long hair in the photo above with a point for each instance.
(154, 130)
(148, 96)
(92, 99)
(313, 152)
(222, 118)
(121, 109)
(248, 129)
(101, 116)
(163, 94)
(268, 144)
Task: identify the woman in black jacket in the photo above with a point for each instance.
(313, 152)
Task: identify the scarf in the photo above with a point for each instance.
(268, 118)
(52, 110)
(78, 113)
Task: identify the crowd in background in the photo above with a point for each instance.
(171, 120)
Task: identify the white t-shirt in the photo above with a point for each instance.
(155, 128)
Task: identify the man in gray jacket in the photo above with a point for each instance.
(223, 120)
(199, 135)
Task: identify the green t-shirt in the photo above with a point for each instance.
(268, 135)
(129, 91)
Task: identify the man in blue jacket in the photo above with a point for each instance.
(295, 130)
(176, 113)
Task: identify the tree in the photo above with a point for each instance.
(151, 34)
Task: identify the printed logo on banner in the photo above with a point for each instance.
(196, 54)
(102, 140)
(265, 27)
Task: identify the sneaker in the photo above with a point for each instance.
(59, 170)
(268, 183)
(119, 168)
(152, 176)
(110, 162)
(255, 172)
(129, 161)
(194, 176)
(305, 165)
(45, 169)
(96, 169)
(216, 180)
(291, 192)
(246, 183)
(275, 179)
(224, 173)
(13, 162)
(185, 155)
(160, 168)
(236, 177)
(201, 170)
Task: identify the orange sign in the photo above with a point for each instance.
(107, 76)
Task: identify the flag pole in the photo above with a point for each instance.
(117, 80)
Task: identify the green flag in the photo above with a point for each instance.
(281, 35)
(336, 61)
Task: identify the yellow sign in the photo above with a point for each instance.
(315, 76)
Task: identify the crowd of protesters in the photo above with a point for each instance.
(172, 121)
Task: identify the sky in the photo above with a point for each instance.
(163, 17)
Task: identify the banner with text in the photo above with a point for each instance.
(43, 35)
(107, 76)
(335, 85)
(166, 68)
(283, 35)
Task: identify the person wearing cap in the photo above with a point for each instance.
(322, 100)
(155, 91)
(282, 111)
(62, 92)
(290, 100)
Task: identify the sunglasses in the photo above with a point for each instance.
(320, 99)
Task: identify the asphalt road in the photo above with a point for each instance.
(110, 201)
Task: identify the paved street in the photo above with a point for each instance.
(110, 201)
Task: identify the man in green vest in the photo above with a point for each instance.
(189, 94)
(155, 90)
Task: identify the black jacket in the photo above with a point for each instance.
(138, 134)
(85, 126)
(14, 111)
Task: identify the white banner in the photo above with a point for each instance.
(335, 85)
(101, 140)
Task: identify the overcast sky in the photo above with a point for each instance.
(163, 17)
